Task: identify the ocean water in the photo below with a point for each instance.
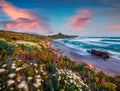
(80, 45)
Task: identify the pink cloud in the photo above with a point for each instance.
(79, 20)
(22, 19)
(22, 23)
(114, 27)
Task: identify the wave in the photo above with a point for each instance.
(81, 45)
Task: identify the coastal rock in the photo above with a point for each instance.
(103, 55)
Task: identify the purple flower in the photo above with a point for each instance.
(85, 78)
(94, 82)
(102, 81)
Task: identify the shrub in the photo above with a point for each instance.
(6, 49)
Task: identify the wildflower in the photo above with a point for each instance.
(41, 71)
(23, 85)
(70, 76)
(81, 82)
(36, 71)
(102, 81)
(59, 78)
(14, 63)
(13, 66)
(35, 64)
(96, 79)
(71, 81)
(59, 72)
(10, 82)
(54, 74)
(31, 63)
(11, 75)
(18, 69)
(29, 78)
(2, 70)
(24, 66)
(11, 88)
(38, 80)
(19, 78)
(74, 77)
(36, 85)
(85, 78)
(70, 71)
(94, 82)
(42, 80)
(4, 65)
(38, 76)
(77, 85)
(65, 81)
(19, 60)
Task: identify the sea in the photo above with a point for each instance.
(80, 45)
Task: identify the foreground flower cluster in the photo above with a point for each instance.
(71, 79)
(17, 74)
(20, 75)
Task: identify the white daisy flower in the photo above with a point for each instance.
(36, 85)
(54, 74)
(18, 69)
(65, 81)
(38, 76)
(4, 65)
(13, 66)
(19, 60)
(44, 73)
(36, 71)
(41, 71)
(59, 78)
(2, 70)
(11, 88)
(10, 82)
(23, 85)
(11, 75)
(31, 63)
(29, 78)
(35, 64)
(71, 81)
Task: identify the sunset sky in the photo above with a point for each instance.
(79, 17)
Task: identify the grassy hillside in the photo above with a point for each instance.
(22, 36)
(28, 63)
(30, 37)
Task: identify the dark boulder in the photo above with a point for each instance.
(103, 55)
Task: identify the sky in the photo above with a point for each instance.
(72, 17)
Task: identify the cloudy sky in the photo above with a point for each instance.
(79, 17)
